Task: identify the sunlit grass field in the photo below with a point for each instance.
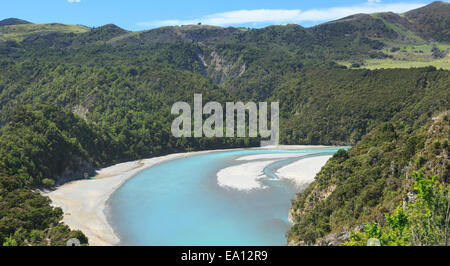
(391, 63)
(407, 56)
(19, 32)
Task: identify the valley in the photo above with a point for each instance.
(76, 99)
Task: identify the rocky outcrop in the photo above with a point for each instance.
(334, 239)
(317, 196)
(79, 169)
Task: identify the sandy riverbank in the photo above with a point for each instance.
(84, 201)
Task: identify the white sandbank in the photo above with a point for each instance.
(247, 176)
(84, 201)
(243, 176)
(302, 172)
(270, 156)
(296, 147)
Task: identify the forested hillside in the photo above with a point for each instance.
(73, 99)
(36, 146)
(337, 106)
(375, 179)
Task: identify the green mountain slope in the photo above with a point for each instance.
(431, 21)
(188, 33)
(37, 144)
(339, 106)
(370, 180)
(359, 38)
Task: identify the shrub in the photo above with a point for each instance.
(48, 183)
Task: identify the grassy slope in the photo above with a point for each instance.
(408, 56)
(400, 30)
(19, 32)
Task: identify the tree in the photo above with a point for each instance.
(48, 183)
(10, 242)
(423, 222)
(429, 215)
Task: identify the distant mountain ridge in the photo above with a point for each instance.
(431, 23)
(13, 21)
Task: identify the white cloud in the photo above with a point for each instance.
(284, 16)
(74, 1)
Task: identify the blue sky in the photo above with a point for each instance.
(141, 15)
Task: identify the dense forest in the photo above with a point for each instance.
(73, 99)
(375, 178)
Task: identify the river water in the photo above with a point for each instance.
(179, 202)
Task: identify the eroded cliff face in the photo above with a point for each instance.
(220, 69)
(369, 181)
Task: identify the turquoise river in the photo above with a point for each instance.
(179, 202)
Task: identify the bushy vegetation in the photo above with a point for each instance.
(424, 221)
(370, 180)
(328, 105)
(38, 145)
